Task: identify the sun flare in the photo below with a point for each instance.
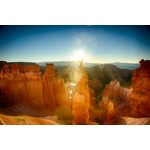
(79, 55)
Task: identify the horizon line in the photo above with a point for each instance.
(69, 61)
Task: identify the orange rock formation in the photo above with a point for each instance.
(81, 99)
(140, 97)
(116, 92)
(26, 85)
(115, 100)
(108, 109)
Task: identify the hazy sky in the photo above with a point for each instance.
(102, 44)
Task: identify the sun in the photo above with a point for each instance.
(79, 55)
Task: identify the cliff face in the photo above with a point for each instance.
(26, 85)
(140, 97)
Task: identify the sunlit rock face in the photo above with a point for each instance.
(26, 85)
(115, 92)
(30, 68)
(81, 100)
(140, 98)
(48, 82)
(115, 101)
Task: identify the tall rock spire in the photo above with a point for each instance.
(81, 99)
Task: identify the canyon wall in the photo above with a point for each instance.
(26, 85)
(140, 97)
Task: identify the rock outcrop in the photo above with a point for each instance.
(137, 97)
(140, 97)
(26, 85)
(81, 98)
(116, 92)
(115, 101)
(108, 110)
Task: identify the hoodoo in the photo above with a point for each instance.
(81, 99)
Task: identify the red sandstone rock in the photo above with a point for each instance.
(107, 108)
(140, 97)
(26, 85)
(114, 91)
(29, 68)
(81, 99)
(115, 101)
(14, 69)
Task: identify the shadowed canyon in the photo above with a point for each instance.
(78, 95)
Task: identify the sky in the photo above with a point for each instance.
(97, 43)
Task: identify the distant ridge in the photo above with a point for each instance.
(129, 66)
(2, 63)
(23, 63)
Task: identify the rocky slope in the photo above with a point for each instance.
(25, 120)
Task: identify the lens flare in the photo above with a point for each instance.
(70, 91)
(79, 55)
